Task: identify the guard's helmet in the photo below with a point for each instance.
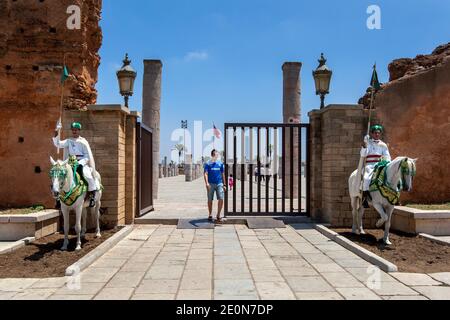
(376, 128)
(76, 125)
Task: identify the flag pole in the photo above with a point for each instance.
(363, 162)
(61, 100)
(372, 96)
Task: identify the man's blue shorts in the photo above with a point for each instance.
(216, 189)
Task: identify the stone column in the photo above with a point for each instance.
(151, 110)
(291, 114)
(188, 168)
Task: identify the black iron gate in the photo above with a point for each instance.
(144, 169)
(271, 168)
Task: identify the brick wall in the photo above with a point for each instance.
(111, 133)
(337, 132)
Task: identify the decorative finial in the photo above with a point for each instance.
(126, 61)
(322, 60)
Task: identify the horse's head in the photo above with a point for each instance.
(408, 170)
(58, 175)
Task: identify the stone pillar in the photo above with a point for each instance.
(151, 110)
(110, 132)
(336, 135)
(188, 168)
(292, 114)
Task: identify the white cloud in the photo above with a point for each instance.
(196, 55)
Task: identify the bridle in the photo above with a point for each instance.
(406, 171)
(58, 172)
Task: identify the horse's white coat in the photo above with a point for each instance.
(383, 207)
(79, 207)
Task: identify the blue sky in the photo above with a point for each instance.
(222, 59)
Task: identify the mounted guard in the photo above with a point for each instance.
(79, 147)
(378, 180)
(374, 151)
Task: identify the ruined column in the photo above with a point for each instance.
(292, 114)
(151, 110)
(188, 168)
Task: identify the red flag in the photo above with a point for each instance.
(217, 133)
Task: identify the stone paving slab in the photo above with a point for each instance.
(443, 277)
(434, 293)
(231, 262)
(415, 279)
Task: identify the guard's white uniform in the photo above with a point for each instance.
(374, 153)
(81, 149)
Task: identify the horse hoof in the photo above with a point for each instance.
(78, 248)
(98, 236)
(387, 242)
(64, 249)
(363, 232)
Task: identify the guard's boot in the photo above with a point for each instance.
(366, 197)
(92, 200)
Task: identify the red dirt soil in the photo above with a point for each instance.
(44, 259)
(410, 253)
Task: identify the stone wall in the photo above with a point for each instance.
(111, 131)
(415, 110)
(337, 133)
(33, 41)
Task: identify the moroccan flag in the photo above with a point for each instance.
(217, 132)
(374, 82)
(65, 74)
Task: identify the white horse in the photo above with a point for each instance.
(399, 172)
(63, 182)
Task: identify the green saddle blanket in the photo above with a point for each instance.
(379, 183)
(74, 193)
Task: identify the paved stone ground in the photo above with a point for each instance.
(188, 200)
(230, 262)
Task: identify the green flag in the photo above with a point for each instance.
(374, 82)
(65, 74)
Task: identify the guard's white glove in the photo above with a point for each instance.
(366, 139)
(58, 126)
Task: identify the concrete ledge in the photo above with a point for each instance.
(415, 221)
(371, 257)
(36, 225)
(16, 245)
(434, 239)
(92, 256)
(108, 107)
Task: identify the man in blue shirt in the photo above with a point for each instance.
(215, 183)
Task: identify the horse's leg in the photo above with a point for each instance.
(97, 216)
(355, 227)
(387, 227)
(78, 211)
(66, 217)
(361, 216)
(83, 222)
(379, 207)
